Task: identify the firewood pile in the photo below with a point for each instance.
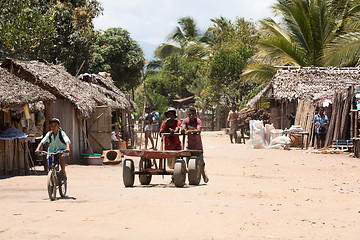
(255, 114)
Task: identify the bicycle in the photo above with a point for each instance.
(55, 178)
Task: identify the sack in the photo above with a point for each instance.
(257, 134)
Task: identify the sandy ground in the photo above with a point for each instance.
(252, 194)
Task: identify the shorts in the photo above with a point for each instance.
(155, 127)
(56, 158)
(321, 136)
(233, 127)
(148, 128)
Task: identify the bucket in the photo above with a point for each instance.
(95, 160)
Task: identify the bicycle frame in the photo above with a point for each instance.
(54, 181)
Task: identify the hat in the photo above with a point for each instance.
(56, 120)
(170, 109)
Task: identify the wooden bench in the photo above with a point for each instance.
(342, 144)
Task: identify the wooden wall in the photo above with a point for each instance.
(65, 111)
(99, 129)
(14, 157)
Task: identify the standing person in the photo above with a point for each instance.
(148, 119)
(233, 121)
(320, 122)
(171, 125)
(292, 118)
(58, 140)
(193, 124)
(156, 118)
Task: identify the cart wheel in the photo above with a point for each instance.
(145, 179)
(179, 173)
(194, 174)
(128, 173)
(51, 185)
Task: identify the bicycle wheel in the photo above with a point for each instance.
(51, 185)
(62, 186)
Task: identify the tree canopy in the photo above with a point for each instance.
(114, 51)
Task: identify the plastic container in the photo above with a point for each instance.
(95, 160)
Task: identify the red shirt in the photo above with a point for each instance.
(193, 141)
(171, 142)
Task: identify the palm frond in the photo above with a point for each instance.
(198, 49)
(343, 51)
(260, 72)
(165, 50)
(284, 52)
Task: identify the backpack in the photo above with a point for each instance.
(60, 136)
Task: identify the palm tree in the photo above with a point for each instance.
(186, 40)
(307, 34)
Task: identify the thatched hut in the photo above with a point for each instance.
(293, 84)
(15, 93)
(121, 106)
(77, 101)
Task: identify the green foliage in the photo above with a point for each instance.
(73, 21)
(115, 52)
(58, 31)
(233, 45)
(25, 32)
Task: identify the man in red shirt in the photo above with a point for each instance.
(193, 124)
(171, 125)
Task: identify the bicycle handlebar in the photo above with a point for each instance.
(51, 154)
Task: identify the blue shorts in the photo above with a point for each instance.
(56, 159)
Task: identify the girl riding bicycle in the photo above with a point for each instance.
(58, 140)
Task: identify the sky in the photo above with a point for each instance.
(150, 21)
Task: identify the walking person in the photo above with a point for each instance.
(193, 124)
(233, 122)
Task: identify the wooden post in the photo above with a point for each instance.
(117, 128)
(356, 124)
(142, 121)
(26, 157)
(47, 114)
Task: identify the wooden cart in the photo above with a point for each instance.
(154, 163)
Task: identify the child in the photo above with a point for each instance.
(193, 124)
(56, 142)
(148, 118)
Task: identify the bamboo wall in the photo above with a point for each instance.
(14, 157)
(70, 123)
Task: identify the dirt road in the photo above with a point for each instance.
(252, 194)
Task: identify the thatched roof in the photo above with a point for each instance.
(55, 79)
(105, 85)
(309, 84)
(16, 92)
